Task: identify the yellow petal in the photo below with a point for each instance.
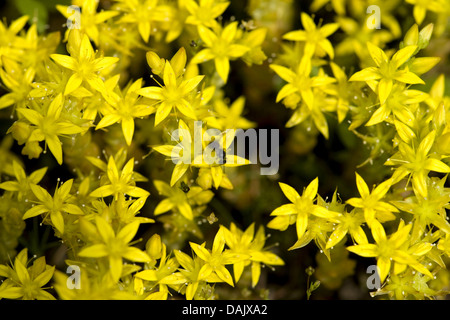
(73, 83)
(311, 190)
(136, 255)
(115, 267)
(217, 174)
(336, 237)
(86, 50)
(179, 170)
(65, 61)
(151, 93)
(186, 210)
(365, 250)
(402, 55)
(191, 290)
(289, 192)
(384, 89)
(164, 206)
(376, 53)
(378, 232)
(285, 209)
(94, 251)
(256, 273)
(222, 67)
(162, 112)
(34, 211)
(301, 224)
(384, 266)
(54, 144)
(224, 274)
(128, 129)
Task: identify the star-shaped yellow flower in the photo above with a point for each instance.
(115, 246)
(49, 126)
(388, 70)
(220, 46)
(388, 249)
(173, 94)
(371, 202)
(315, 38)
(119, 183)
(85, 66)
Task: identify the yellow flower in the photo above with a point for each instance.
(348, 223)
(207, 159)
(315, 39)
(303, 206)
(300, 81)
(181, 200)
(313, 113)
(26, 283)
(422, 6)
(92, 286)
(174, 93)
(399, 104)
(23, 183)
(221, 47)
(216, 259)
(388, 70)
(205, 12)
(417, 162)
(125, 211)
(10, 43)
(124, 110)
(115, 246)
(190, 273)
(247, 243)
(388, 249)
(429, 210)
(371, 202)
(18, 82)
(357, 35)
(54, 206)
(119, 183)
(230, 117)
(83, 63)
(89, 19)
(144, 13)
(49, 126)
(37, 48)
(162, 275)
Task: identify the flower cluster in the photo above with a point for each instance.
(413, 195)
(62, 102)
(101, 116)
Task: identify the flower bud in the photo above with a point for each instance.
(154, 247)
(20, 131)
(178, 62)
(155, 62)
(425, 36)
(32, 149)
(411, 36)
(204, 178)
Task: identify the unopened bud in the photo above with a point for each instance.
(425, 36)
(155, 62)
(32, 149)
(411, 36)
(154, 247)
(204, 179)
(20, 131)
